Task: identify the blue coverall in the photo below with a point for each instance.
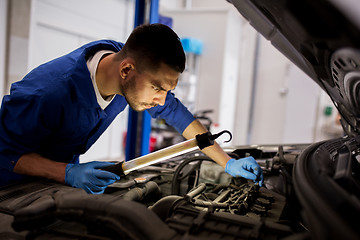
(53, 111)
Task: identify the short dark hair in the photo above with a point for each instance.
(153, 44)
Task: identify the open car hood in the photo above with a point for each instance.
(322, 38)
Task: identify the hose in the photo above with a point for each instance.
(176, 176)
(137, 194)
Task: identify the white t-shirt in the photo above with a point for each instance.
(92, 64)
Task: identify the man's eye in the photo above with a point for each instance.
(156, 88)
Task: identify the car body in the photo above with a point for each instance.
(322, 39)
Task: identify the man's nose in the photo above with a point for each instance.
(160, 98)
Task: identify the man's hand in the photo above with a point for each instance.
(245, 167)
(89, 177)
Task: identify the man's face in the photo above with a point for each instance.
(149, 89)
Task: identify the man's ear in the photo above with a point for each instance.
(126, 67)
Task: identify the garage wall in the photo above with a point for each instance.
(285, 100)
(58, 27)
(268, 100)
(218, 29)
(17, 41)
(3, 52)
(301, 107)
(246, 84)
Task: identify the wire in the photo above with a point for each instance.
(176, 177)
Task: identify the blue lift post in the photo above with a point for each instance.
(139, 123)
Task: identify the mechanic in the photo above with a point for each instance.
(59, 109)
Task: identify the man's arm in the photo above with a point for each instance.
(177, 115)
(32, 164)
(87, 176)
(245, 167)
(215, 152)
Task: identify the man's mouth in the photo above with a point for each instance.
(149, 105)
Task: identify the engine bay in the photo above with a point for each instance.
(187, 197)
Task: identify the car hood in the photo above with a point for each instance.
(322, 38)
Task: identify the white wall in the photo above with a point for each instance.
(245, 78)
(177, 4)
(270, 98)
(18, 41)
(301, 107)
(285, 100)
(219, 30)
(58, 27)
(3, 32)
(229, 80)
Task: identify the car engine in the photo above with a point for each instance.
(187, 197)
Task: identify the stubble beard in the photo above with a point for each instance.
(130, 98)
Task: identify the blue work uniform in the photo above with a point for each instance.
(53, 111)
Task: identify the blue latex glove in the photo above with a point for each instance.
(245, 167)
(89, 177)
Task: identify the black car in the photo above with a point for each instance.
(310, 191)
(322, 38)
